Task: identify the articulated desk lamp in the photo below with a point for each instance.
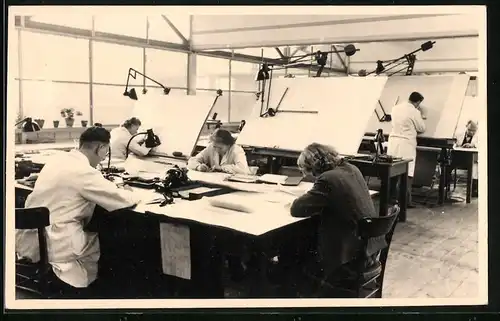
(266, 71)
(131, 93)
(152, 140)
(407, 60)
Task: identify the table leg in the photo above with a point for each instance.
(470, 166)
(403, 196)
(443, 159)
(385, 189)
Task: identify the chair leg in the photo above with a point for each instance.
(455, 179)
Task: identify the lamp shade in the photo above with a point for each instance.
(131, 94)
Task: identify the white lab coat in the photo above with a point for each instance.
(406, 122)
(233, 162)
(475, 143)
(120, 137)
(70, 188)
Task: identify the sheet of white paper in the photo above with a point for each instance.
(294, 131)
(177, 120)
(175, 250)
(273, 178)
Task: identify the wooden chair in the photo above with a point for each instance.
(367, 283)
(31, 278)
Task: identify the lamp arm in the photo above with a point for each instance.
(143, 75)
(128, 144)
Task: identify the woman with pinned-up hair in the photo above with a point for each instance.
(221, 155)
(340, 197)
(120, 137)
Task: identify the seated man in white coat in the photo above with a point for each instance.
(221, 155)
(468, 138)
(120, 138)
(407, 122)
(70, 186)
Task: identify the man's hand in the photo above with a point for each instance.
(467, 145)
(202, 168)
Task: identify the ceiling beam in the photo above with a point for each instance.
(174, 28)
(52, 29)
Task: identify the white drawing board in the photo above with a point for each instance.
(343, 106)
(177, 120)
(470, 111)
(443, 98)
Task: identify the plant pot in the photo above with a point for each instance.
(70, 122)
(85, 123)
(40, 122)
(56, 123)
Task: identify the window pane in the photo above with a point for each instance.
(160, 30)
(243, 76)
(45, 99)
(111, 63)
(242, 105)
(167, 67)
(49, 57)
(13, 98)
(12, 54)
(131, 25)
(110, 106)
(212, 73)
(67, 19)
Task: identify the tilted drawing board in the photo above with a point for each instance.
(470, 111)
(343, 106)
(443, 98)
(177, 120)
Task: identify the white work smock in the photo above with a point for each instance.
(475, 144)
(120, 137)
(233, 162)
(70, 188)
(406, 122)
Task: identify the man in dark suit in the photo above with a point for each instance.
(340, 196)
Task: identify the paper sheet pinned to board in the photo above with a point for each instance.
(175, 250)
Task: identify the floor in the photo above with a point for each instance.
(435, 253)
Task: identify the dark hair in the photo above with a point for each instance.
(416, 97)
(98, 125)
(131, 122)
(222, 136)
(94, 135)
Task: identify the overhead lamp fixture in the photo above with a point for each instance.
(263, 73)
(132, 94)
(407, 60)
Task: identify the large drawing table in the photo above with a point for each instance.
(465, 158)
(213, 231)
(381, 170)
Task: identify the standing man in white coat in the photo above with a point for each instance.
(407, 122)
(70, 186)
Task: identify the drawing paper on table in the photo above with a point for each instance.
(175, 250)
(273, 178)
(443, 98)
(201, 190)
(177, 120)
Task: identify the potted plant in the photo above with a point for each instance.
(56, 123)
(40, 122)
(69, 116)
(85, 123)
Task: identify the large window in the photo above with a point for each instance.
(243, 76)
(45, 99)
(110, 106)
(12, 54)
(212, 73)
(111, 63)
(48, 57)
(242, 105)
(167, 67)
(13, 98)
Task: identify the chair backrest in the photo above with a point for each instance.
(32, 218)
(372, 227)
